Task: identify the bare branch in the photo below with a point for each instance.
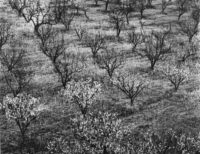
(68, 66)
(131, 85)
(164, 5)
(117, 20)
(141, 7)
(5, 33)
(189, 27)
(176, 75)
(80, 32)
(15, 64)
(156, 47)
(110, 60)
(182, 6)
(135, 39)
(34, 12)
(95, 43)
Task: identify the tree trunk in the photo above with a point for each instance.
(141, 13)
(149, 4)
(152, 65)
(105, 150)
(110, 73)
(132, 101)
(85, 13)
(118, 30)
(106, 5)
(64, 83)
(190, 39)
(179, 16)
(36, 30)
(96, 2)
(23, 141)
(77, 10)
(176, 87)
(127, 19)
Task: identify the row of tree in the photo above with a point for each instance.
(91, 130)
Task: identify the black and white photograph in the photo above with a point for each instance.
(99, 76)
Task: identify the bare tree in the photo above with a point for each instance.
(176, 75)
(12, 57)
(117, 21)
(107, 2)
(63, 12)
(58, 8)
(13, 60)
(68, 66)
(185, 50)
(85, 10)
(189, 27)
(141, 6)
(191, 51)
(34, 12)
(17, 80)
(110, 60)
(67, 19)
(45, 33)
(126, 8)
(135, 39)
(131, 85)
(156, 47)
(52, 44)
(16, 72)
(80, 5)
(95, 43)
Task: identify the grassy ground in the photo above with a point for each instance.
(157, 101)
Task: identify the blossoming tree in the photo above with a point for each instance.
(176, 75)
(98, 132)
(23, 110)
(82, 93)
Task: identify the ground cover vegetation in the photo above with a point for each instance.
(99, 77)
